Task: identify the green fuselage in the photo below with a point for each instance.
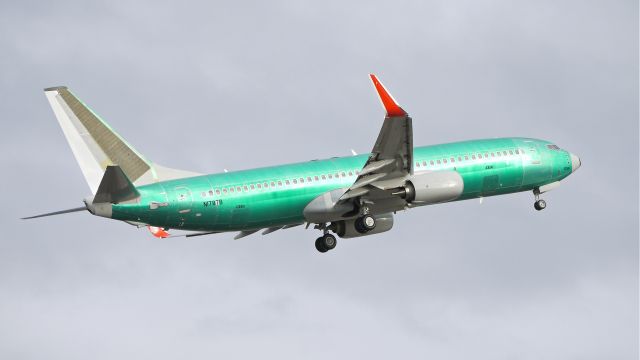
(275, 196)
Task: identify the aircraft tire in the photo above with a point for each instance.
(329, 241)
(359, 226)
(368, 222)
(320, 245)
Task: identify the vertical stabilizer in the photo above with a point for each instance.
(95, 145)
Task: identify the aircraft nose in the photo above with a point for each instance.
(575, 162)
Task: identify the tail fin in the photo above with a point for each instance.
(95, 145)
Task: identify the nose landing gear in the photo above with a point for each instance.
(539, 204)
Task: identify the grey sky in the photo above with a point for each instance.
(213, 85)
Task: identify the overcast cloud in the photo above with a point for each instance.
(212, 85)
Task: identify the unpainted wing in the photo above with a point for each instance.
(391, 159)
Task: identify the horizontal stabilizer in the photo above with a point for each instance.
(56, 213)
(115, 187)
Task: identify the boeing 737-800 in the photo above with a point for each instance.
(347, 196)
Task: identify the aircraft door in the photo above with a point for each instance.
(182, 201)
(536, 164)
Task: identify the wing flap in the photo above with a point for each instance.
(375, 166)
(366, 180)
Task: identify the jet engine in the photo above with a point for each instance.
(347, 228)
(432, 187)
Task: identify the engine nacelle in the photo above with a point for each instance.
(346, 228)
(433, 187)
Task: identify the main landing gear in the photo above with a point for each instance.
(363, 224)
(539, 204)
(366, 222)
(326, 242)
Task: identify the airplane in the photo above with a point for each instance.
(347, 196)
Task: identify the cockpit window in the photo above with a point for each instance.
(553, 147)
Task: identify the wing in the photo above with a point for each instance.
(391, 159)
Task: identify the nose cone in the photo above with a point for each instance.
(575, 162)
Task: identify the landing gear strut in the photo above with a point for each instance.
(539, 204)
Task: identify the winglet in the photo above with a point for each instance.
(389, 103)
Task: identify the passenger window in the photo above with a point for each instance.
(330, 176)
(238, 189)
(444, 161)
(418, 163)
(266, 185)
(466, 157)
(295, 181)
(453, 159)
(224, 190)
(350, 173)
(324, 177)
(439, 162)
(308, 178)
(301, 180)
(253, 187)
(459, 158)
(510, 152)
(473, 157)
(479, 156)
(246, 188)
(231, 189)
(316, 178)
(431, 162)
(279, 183)
(337, 175)
(273, 184)
(286, 182)
(204, 194)
(343, 174)
(217, 191)
(259, 186)
(517, 152)
(210, 192)
(504, 153)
